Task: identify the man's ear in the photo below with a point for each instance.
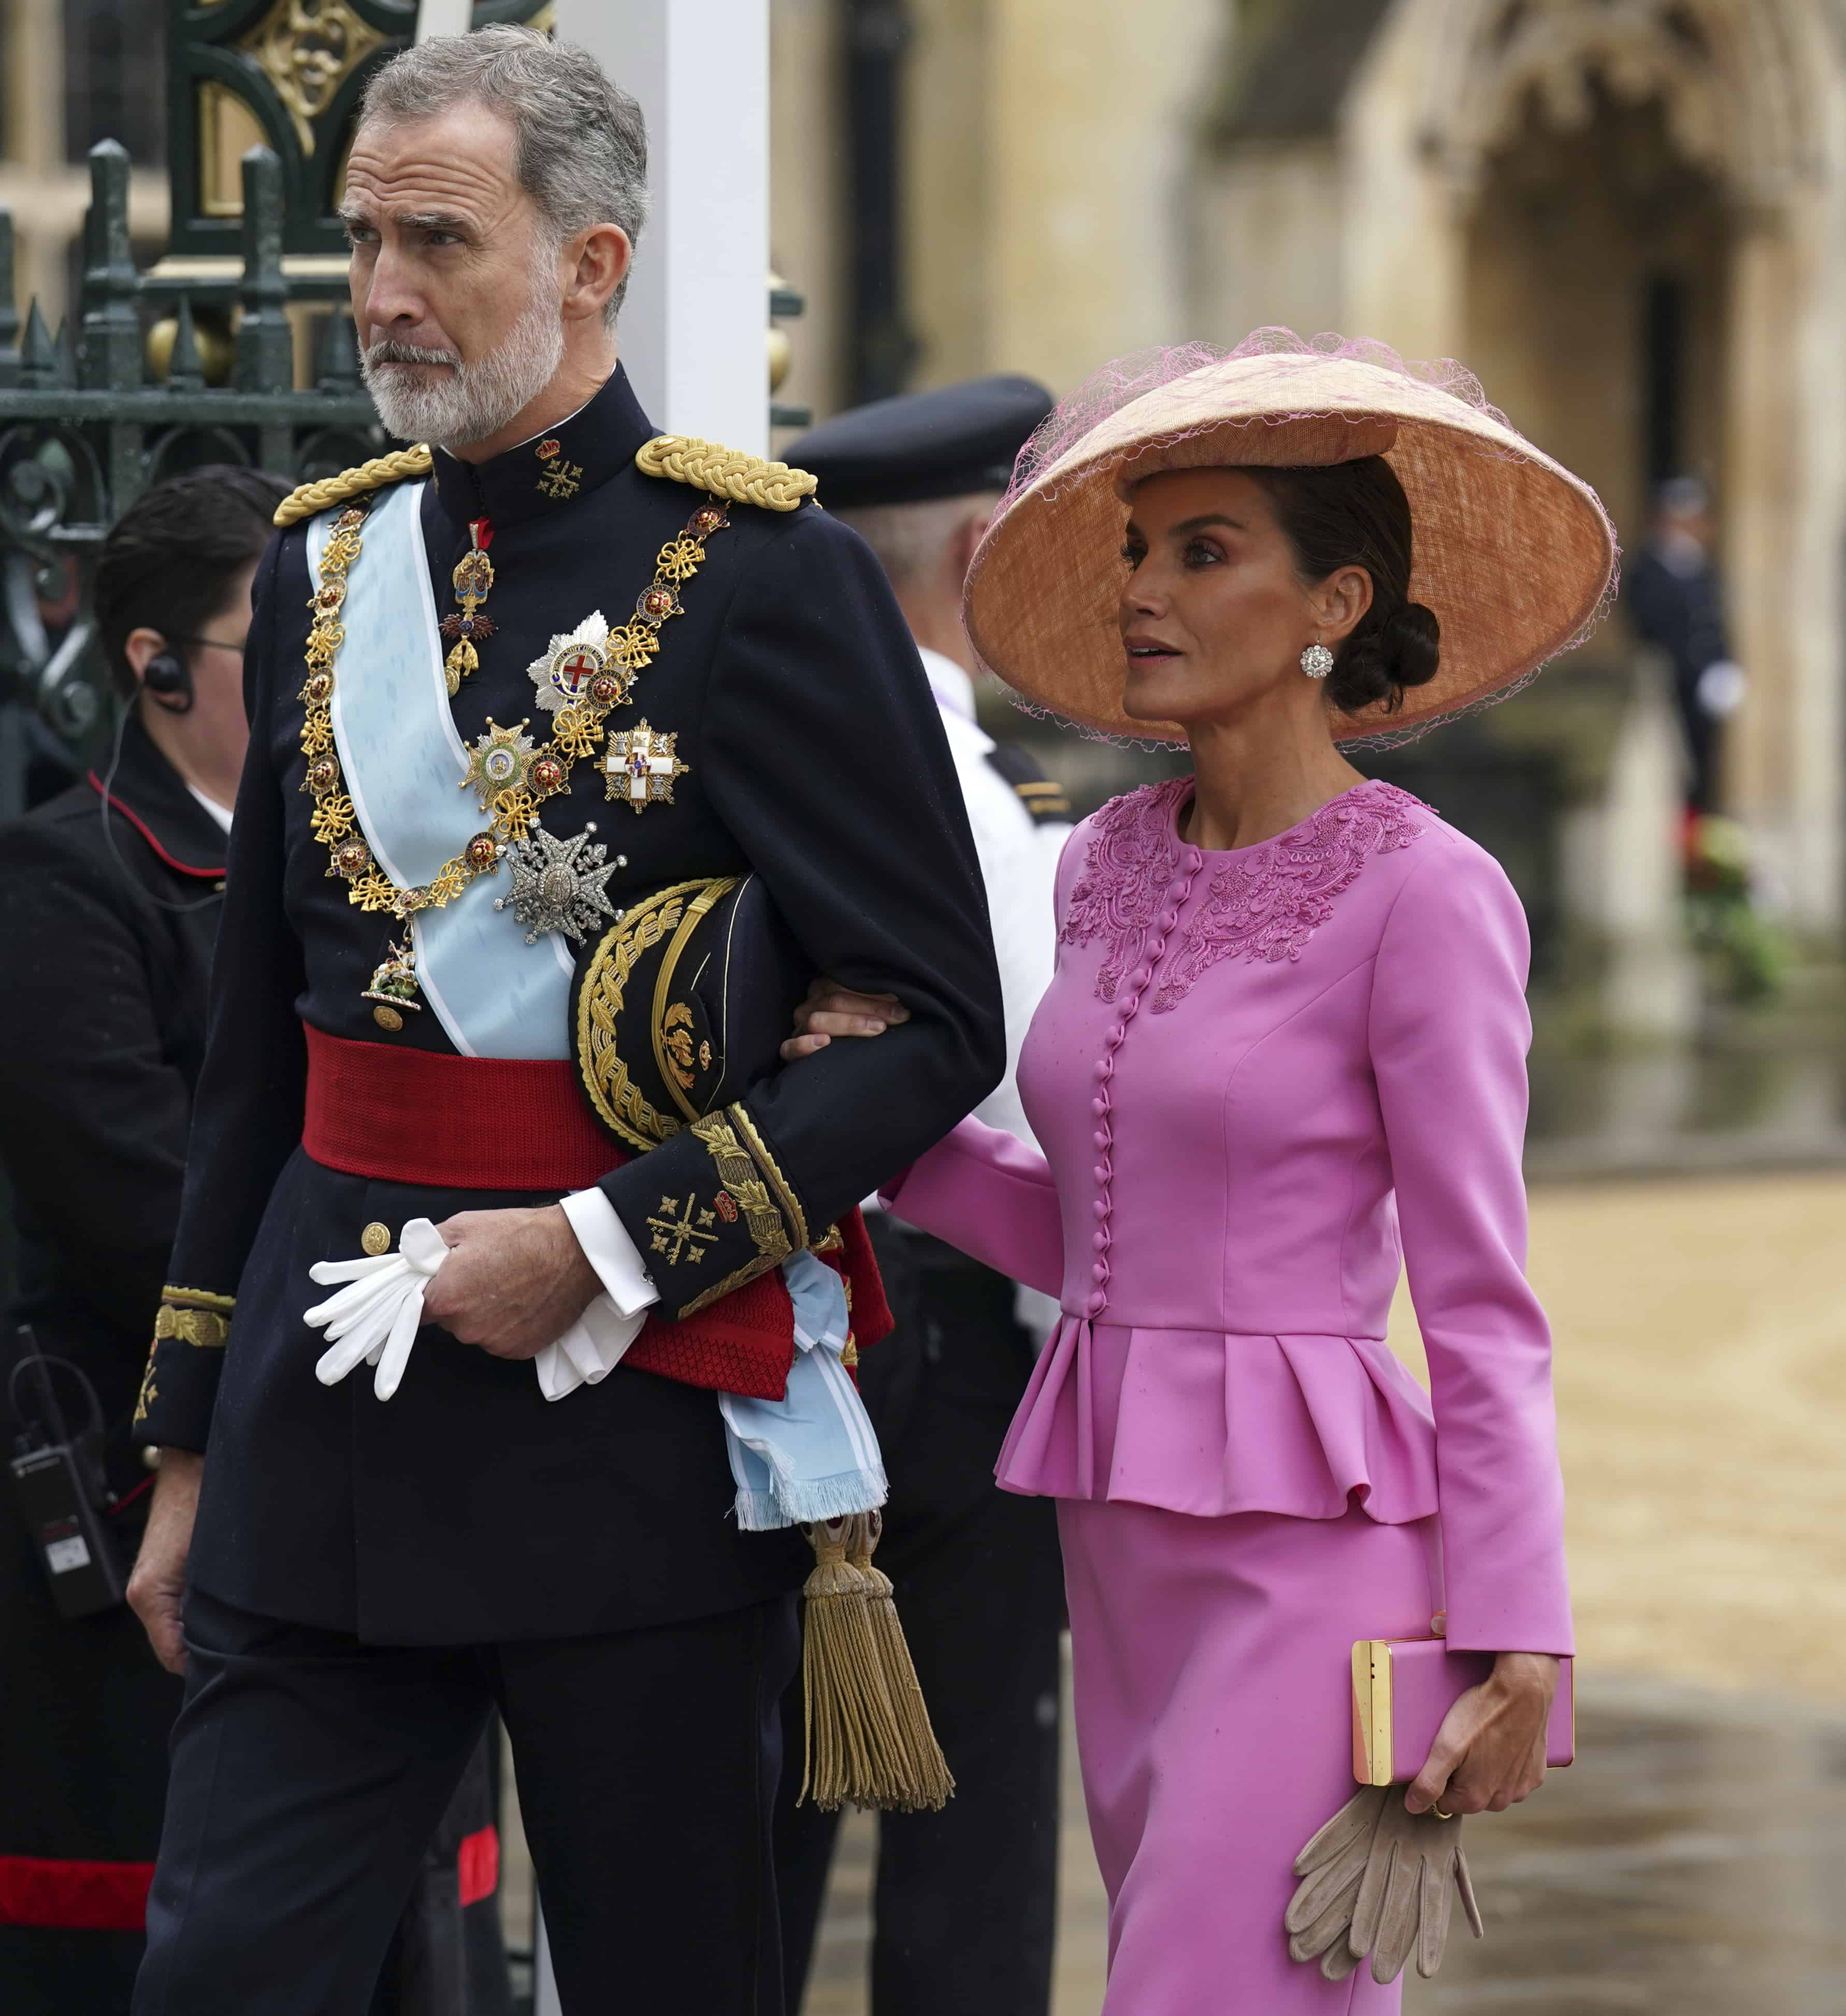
(970, 532)
(600, 257)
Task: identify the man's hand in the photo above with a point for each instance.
(833, 1010)
(514, 1281)
(158, 1583)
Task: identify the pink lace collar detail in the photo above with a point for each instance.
(1265, 902)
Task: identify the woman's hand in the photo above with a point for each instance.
(833, 1010)
(1489, 1753)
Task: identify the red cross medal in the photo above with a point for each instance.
(640, 766)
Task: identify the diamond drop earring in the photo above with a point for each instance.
(1317, 661)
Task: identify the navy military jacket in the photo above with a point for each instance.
(468, 1508)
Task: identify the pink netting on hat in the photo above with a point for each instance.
(1125, 379)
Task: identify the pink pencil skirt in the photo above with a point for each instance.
(1212, 1665)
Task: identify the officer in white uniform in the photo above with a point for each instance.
(965, 1901)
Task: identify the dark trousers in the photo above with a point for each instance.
(309, 1771)
(965, 1903)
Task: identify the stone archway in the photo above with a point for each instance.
(1716, 128)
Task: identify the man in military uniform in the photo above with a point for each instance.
(113, 890)
(966, 1898)
(500, 691)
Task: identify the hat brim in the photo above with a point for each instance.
(1514, 554)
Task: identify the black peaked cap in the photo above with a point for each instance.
(948, 442)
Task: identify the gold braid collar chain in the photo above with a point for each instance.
(578, 729)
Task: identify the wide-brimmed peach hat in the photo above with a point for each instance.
(1514, 554)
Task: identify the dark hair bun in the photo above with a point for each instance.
(1380, 659)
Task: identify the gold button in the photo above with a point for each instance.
(375, 1238)
(388, 1018)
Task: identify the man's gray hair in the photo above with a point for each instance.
(580, 140)
(909, 540)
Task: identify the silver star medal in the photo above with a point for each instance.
(571, 660)
(557, 884)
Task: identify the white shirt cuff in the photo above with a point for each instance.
(610, 1250)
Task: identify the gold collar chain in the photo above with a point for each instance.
(577, 731)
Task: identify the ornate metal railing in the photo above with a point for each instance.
(86, 424)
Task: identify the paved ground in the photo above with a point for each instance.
(1693, 1863)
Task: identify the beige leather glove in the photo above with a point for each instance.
(1331, 1867)
(1380, 1875)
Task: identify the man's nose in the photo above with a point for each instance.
(392, 304)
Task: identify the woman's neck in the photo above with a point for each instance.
(1259, 775)
(208, 754)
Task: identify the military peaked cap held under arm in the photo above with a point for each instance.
(789, 735)
(952, 442)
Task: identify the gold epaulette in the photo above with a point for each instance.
(373, 475)
(726, 472)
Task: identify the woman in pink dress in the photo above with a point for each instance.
(1284, 1051)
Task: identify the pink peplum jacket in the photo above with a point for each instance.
(1263, 1079)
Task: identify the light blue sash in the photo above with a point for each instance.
(812, 1455)
(495, 996)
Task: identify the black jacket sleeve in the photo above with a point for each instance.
(823, 753)
(92, 1108)
(248, 1113)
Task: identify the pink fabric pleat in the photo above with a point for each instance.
(1195, 1421)
(1213, 1665)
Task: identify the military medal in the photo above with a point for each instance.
(503, 760)
(640, 766)
(393, 986)
(473, 580)
(578, 665)
(557, 884)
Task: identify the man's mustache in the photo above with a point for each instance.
(389, 351)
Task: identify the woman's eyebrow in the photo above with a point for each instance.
(1188, 525)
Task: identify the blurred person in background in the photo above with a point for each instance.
(1675, 600)
(112, 891)
(966, 1898)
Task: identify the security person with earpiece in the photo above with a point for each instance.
(112, 893)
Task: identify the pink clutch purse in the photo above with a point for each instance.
(1402, 1689)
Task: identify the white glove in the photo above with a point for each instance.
(374, 1319)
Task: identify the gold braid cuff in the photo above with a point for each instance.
(373, 475)
(792, 1211)
(195, 1316)
(725, 472)
(738, 1172)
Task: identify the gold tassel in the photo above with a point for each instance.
(847, 1713)
(869, 1739)
(923, 1781)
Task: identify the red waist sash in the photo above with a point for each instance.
(455, 1123)
(443, 1122)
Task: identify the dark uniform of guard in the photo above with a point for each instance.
(964, 1906)
(113, 902)
(368, 1580)
(102, 1030)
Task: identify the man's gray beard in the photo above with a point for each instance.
(472, 401)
